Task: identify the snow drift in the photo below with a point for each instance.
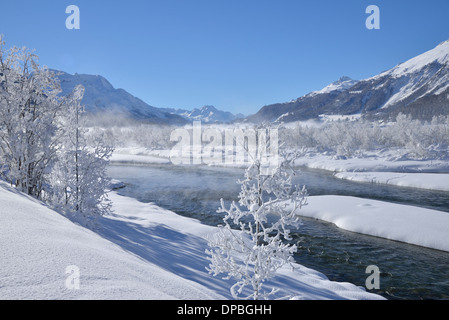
(409, 224)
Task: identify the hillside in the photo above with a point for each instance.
(419, 87)
(38, 244)
(101, 98)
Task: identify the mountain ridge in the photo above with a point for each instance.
(207, 114)
(418, 86)
(100, 96)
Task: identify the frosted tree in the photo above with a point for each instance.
(266, 209)
(78, 178)
(44, 150)
(29, 103)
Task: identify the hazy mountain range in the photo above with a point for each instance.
(419, 86)
(101, 97)
(206, 114)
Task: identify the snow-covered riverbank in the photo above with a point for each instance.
(145, 252)
(372, 164)
(432, 175)
(419, 226)
(430, 181)
(409, 224)
(140, 252)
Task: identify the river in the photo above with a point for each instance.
(408, 272)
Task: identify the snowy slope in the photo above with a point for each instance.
(37, 245)
(426, 74)
(438, 55)
(145, 252)
(341, 84)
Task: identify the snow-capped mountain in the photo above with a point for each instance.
(340, 85)
(206, 114)
(419, 86)
(101, 96)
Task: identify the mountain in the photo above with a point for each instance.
(101, 97)
(419, 87)
(206, 114)
(341, 84)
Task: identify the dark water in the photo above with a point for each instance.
(407, 271)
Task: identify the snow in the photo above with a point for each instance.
(413, 225)
(372, 164)
(428, 174)
(38, 244)
(422, 71)
(101, 96)
(431, 181)
(341, 84)
(337, 117)
(439, 54)
(140, 252)
(206, 114)
(423, 174)
(137, 159)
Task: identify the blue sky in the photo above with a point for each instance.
(237, 55)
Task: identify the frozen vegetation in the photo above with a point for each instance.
(400, 145)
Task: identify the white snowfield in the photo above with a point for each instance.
(409, 224)
(432, 181)
(373, 164)
(140, 252)
(429, 174)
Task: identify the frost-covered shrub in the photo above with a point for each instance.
(413, 139)
(265, 211)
